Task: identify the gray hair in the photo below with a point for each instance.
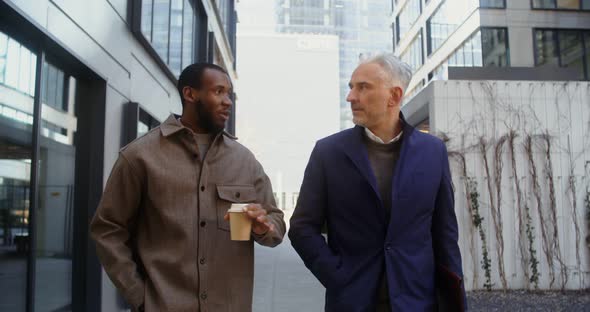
(398, 70)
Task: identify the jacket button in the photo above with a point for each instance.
(388, 247)
(202, 188)
(204, 296)
(237, 194)
(202, 261)
(203, 223)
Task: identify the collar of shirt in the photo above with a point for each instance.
(377, 139)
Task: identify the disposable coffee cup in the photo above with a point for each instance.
(240, 224)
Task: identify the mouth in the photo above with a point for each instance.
(225, 115)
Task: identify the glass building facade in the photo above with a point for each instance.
(69, 100)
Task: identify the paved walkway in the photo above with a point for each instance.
(283, 284)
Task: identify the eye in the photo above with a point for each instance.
(218, 92)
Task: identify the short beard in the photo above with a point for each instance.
(205, 119)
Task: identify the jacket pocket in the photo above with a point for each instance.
(229, 194)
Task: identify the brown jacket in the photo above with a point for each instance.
(159, 228)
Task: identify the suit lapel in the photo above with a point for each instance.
(356, 150)
(406, 149)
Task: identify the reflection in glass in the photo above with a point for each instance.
(146, 18)
(494, 42)
(546, 47)
(492, 3)
(145, 123)
(408, 15)
(587, 45)
(568, 4)
(160, 28)
(585, 4)
(54, 216)
(544, 4)
(572, 51)
(16, 119)
(3, 51)
(12, 64)
(187, 35)
(413, 54)
(176, 36)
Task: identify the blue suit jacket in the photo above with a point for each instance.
(340, 189)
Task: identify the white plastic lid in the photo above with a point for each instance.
(237, 207)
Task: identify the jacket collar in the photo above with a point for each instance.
(355, 149)
(172, 125)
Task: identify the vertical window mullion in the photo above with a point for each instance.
(182, 38)
(34, 190)
(169, 27)
(584, 53)
(152, 22)
(557, 47)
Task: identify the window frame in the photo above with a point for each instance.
(493, 7)
(585, 47)
(200, 29)
(508, 62)
(556, 8)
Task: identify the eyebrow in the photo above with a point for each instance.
(350, 84)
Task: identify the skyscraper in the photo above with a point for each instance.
(361, 25)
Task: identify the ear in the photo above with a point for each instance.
(396, 95)
(190, 95)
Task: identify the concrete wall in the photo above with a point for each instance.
(468, 111)
(288, 99)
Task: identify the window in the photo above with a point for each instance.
(564, 48)
(494, 44)
(54, 81)
(176, 20)
(17, 66)
(137, 122)
(393, 36)
(445, 20)
(45, 167)
(413, 54)
(562, 4)
(408, 16)
(494, 4)
(486, 47)
(546, 50)
(397, 36)
(170, 28)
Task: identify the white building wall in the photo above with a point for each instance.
(467, 111)
(288, 99)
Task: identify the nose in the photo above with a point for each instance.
(227, 101)
(351, 97)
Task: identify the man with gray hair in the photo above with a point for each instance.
(384, 192)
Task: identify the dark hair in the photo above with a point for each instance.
(192, 76)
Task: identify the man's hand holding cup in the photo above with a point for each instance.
(254, 215)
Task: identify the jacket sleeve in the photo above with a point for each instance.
(445, 231)
(307, 222)
(266, 198)
(111, 229)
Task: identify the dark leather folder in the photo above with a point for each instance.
(449, 290)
